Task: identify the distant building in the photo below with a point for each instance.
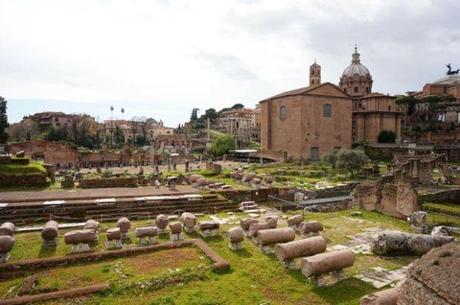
(372, 112)
(148, 128)
(308, 122)
(239, 122)
(57, 119)
(449, 111)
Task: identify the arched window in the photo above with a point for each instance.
(283, 113)
(327, 110)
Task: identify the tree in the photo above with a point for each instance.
(210, 113)
(408, 101)
(3, 121)
(57, 134)
(119, 137)
(140, 140)
(331, 157)
(25, 130)
(222, 145)
(86, 133)
(194, 115)
(386, 136)
(238, 106)
(351, 160)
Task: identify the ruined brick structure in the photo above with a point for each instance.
(63, 155)
(398, 200)
(417, 169)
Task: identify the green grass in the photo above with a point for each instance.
(32, 168)
(254, 278)
(445, 208)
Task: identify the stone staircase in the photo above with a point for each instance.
(109, 209)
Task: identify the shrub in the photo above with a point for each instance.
(351, 160)
(386, 136)
(222, 145)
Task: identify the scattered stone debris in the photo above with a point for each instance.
(380, 277)
(360, 243)
(28, 285)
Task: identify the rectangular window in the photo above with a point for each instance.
(314, 153)
(327, 110)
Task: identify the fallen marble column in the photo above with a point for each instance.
(327, 266)
(295, 221)
(113, 238)
(254, 228)
(146, 235)
(272, 221)
(175, 231)
(265, 238)
(188, 221)
(50, 234)
(245, 223)
(162, 222)
(125, 225)
(384, 297)
(6, 245)
(287, 252)
(7, 228)
(398, 243)
(80, 240)
(421, 244)
(208, 228)
(310, 228)
(235, 237)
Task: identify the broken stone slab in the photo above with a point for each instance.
(380, 277)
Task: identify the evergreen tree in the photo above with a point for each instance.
(3, 121)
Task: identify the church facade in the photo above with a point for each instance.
(308, 122)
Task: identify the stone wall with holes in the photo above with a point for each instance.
(35, 180)
(109, 182)
(398, 200)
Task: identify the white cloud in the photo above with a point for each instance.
(162, 58)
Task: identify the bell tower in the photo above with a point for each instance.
(315, 74)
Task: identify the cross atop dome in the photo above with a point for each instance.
(355, 57)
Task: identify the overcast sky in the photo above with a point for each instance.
(162, 58)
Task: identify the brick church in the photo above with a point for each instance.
(308, 122)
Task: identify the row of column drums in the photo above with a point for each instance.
(315, 262)
(80, 240)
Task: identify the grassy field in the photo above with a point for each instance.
(446, 208)
(184, 277)
(32, 168)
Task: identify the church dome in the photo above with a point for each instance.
(356, 67)
(356, 79)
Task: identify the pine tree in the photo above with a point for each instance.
(3, 121)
